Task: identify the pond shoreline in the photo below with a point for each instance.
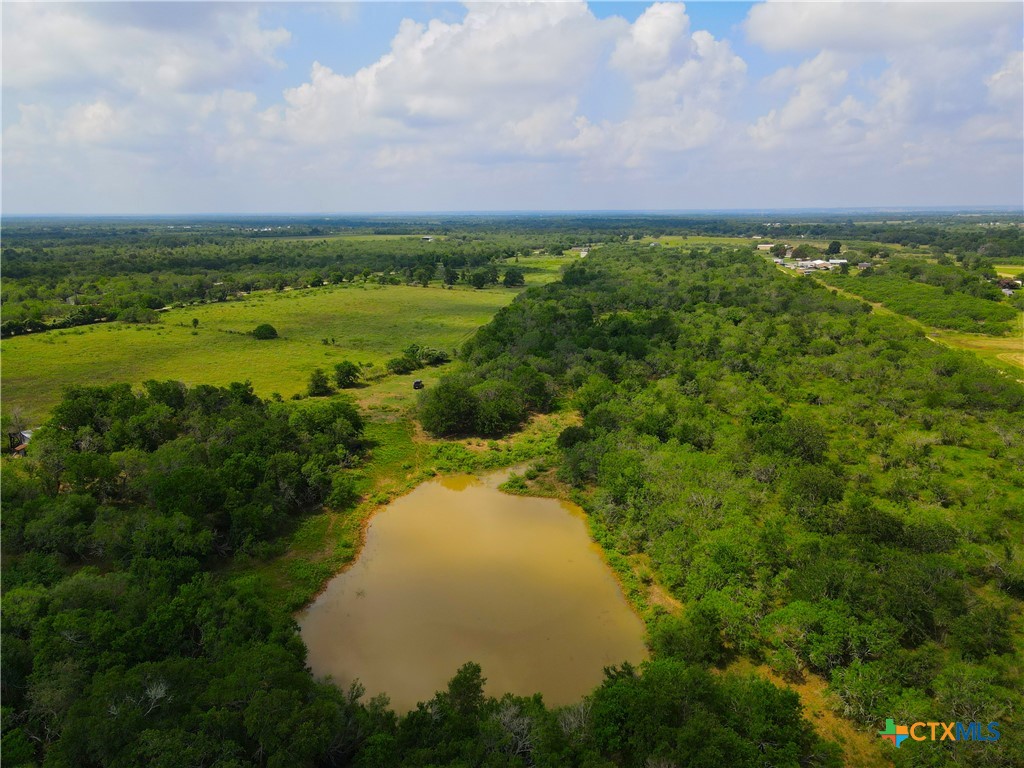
(462, 571)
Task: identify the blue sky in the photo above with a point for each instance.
(296, 107)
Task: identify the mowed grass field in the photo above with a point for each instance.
(538, 270)
(1004, 352)
(1009, 270)
(369, 324)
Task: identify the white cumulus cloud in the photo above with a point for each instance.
(160, 106)
(878, 27)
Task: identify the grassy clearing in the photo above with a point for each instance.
(369, 324)
(1008, 270)
(540, 270)
(1003, 352)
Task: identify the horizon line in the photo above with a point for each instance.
(1012, 209)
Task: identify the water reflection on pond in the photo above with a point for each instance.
(457, 571)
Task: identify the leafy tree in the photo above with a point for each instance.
(109, 664)
(402, 365)
(450, 408)
(833, 248)
(982, 632)
(327, 425)
(319, 385)
(535, 389)
(346, 374)
(571, 436)
(344, 492)
(643, 718)
(513, 277)
(695, 637)
(431, 356)
(499, 410)
(137, 314)
(264, 331)
(423, 275)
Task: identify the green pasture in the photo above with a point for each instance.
(368, 324)
(1009, 270)
(1003, 352)
(538, 270)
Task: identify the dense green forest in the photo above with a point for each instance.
(123, 646)
(822, 487)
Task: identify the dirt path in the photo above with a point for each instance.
(1003, 352)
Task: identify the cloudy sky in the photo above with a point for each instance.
(306, 107)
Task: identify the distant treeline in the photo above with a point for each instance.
(950, 231)
(69, 272)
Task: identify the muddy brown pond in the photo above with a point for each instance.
(458, 571)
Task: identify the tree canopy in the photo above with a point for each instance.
(791, 464)
(263, 332)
